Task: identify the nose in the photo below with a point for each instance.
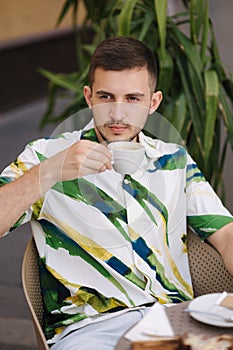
(118, 111)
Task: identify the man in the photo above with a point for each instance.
(111, 245)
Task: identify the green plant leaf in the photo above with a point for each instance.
(51, 101)
(68, 5)
(161, 15)
(175, 111)
(197, 15)
(75, 106)
(166, 69)
(145, 26)
(189, 49)
(226, 113)
(192, 89)
(211, 96)
(98, 10)
(219, 161)
(60, 80)
(216, 60)
(125, 17)
(179, 115)
(205, 36)
(228, 87)
(193, 29)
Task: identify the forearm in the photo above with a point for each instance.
(227, 248)
(227, 254)
(82, 158)
(17, 196)
(222, 240)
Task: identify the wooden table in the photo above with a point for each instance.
(181, 323)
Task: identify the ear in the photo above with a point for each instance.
(155, 101)
(87, 95)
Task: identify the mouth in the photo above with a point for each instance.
(117, 129)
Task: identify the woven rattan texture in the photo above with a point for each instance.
(32, 290)
(33, 282)
(209, 274)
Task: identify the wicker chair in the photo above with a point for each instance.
(31, 288)
(208, 271)
(209, 275)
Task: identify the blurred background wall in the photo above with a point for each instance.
(29, 39)
(24, 18)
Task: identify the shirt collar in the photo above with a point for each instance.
(151, 146)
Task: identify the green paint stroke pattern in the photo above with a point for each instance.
(143, 195)
(205, 225)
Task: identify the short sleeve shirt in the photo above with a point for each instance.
(110, 242)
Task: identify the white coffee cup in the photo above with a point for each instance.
(127, 156)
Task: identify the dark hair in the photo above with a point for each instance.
(121, 52)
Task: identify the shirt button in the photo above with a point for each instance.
(126, 181)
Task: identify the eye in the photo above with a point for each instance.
(132, 99)
(105, 97)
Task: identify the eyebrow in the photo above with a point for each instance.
(102, 92)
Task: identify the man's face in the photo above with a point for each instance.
(121, 102)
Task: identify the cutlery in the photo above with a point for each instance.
(225, 318)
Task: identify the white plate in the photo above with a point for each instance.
(207, 303)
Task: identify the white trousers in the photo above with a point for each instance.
(103, 335)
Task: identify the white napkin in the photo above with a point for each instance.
(154, 323)
(225, 300)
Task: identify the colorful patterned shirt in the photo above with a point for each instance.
(107, 242)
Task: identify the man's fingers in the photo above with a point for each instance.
(85, 157)
(96, 158)
(100, 157)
